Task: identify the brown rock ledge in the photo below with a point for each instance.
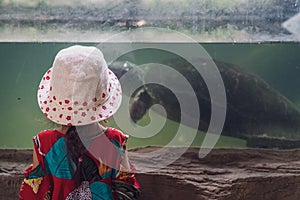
(230, 174)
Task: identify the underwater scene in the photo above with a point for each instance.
(210, 91)
(261, 82)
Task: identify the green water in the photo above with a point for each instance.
(22, 65)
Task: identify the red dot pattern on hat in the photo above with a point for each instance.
(83, 113)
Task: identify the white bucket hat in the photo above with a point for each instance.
(79, 88)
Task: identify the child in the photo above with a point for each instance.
(81, 159)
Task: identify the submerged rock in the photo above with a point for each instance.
(224, 174)
(267, 142)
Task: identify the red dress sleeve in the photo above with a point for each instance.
(126, 172)
(37, 184)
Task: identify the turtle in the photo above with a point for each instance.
(254, 108)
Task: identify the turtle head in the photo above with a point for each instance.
(119, 68)
(141, 100)
(139, 105)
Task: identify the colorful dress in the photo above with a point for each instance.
(52, 178)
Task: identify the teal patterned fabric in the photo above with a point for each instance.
(57, 162)
(36, 173)
(101, 191)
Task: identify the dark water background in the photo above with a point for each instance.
(22, 65)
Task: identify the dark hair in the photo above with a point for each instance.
(75, 150)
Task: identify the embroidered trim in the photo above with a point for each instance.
(34, 183)
(37, 142)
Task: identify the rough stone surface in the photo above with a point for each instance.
(229, 174)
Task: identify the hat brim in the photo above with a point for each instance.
(57, 112)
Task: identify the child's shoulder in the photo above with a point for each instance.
(45, 139)
(116, 134)
(47, 133)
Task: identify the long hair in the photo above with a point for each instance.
(75, 150)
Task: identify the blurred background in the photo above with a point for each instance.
(206, 20)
